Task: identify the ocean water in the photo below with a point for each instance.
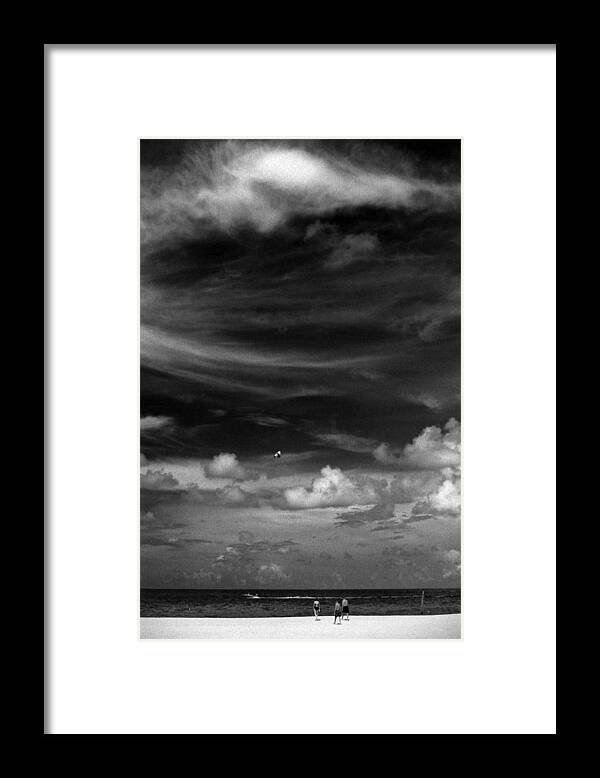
(261, 603)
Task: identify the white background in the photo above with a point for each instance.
(500, 677)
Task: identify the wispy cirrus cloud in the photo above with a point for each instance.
(265, 184)
(151, 423)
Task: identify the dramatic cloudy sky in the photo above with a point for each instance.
(302, 296)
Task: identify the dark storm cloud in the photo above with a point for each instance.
(378, 513)
(156, 530)
(260, 547)
(156, 480)
(149, 521)
(232, 496)
(416, 517)
(172, 542)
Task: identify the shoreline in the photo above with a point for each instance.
(443, 626)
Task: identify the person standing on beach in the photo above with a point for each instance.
(345, 609)
(337, 612)
(316, 609)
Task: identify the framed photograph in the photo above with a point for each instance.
(290, 296)
(300, 388)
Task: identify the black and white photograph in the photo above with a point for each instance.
(300, 388)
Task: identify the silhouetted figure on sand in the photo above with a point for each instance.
(316, 609)
(337, 612)
(345, 609)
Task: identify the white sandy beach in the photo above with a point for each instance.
(359, 627)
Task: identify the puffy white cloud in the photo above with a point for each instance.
(447, 498)
(333, 487)
(336, 488)
(434, 448)
(190, 473)
(444, 501)
(158, 480)
(225, 466)
(234, 495)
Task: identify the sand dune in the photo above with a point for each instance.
(444, 626)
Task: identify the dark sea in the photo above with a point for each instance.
(261, 603)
